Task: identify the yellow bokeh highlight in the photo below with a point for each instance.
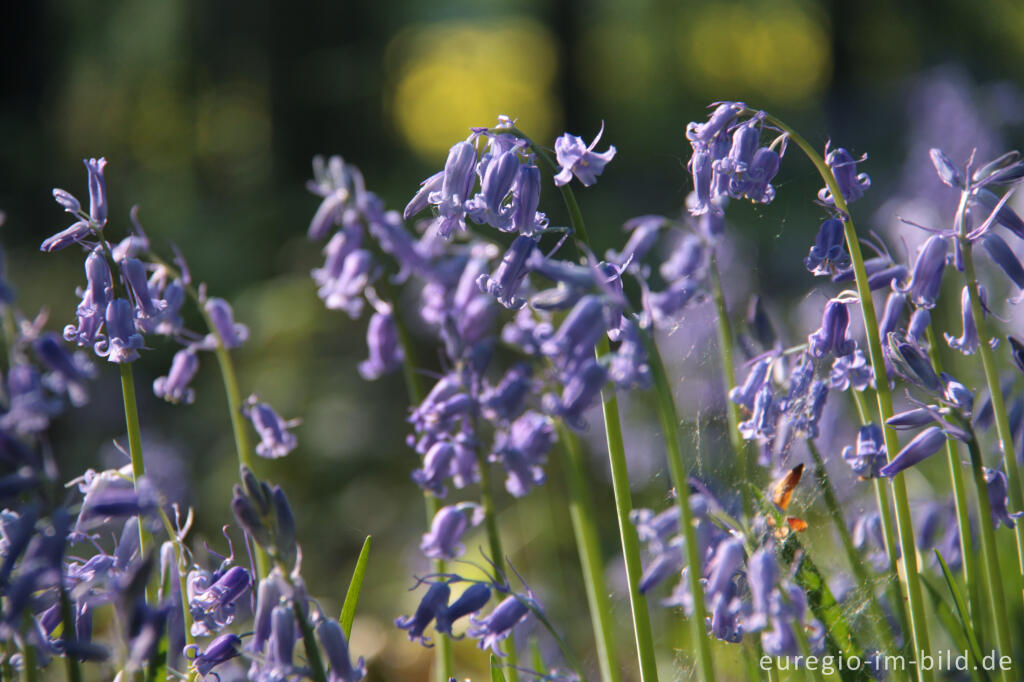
(777, 52)
(447, 77)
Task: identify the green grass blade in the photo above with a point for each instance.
(348, 609)
(961, 610)
(496, 673)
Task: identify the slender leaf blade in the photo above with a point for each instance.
(348, 609)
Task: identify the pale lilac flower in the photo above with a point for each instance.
(576, 158)
(967, 342)
(212, 597)
(489, 207)
(667, 561)
(1002, 255)
(526, 219)
(335, 646)
(686, 261)
(446, 530)
(122, 343)
(506, 400)
(522, 449)
(581, 390)
(344, 292)
(174, 388)
(499, 624)
(231, 334)
(422, 197)
(437, 466)
(73, 234)
(97, 191)
(851, 371)
(894, 305)
(704, 133)
(275, 438)
(433, 603)
(758, 375)
(762, 422)
(220, 650)
(456, 186)
(384, 347)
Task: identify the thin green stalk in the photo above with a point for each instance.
(29, 665)
(835, 512)
(725, 345)
(494, 545)
(997, 601)
(186, 613)
(627, 532)
(959, 498)
(995, 392)
(588, 547)
(898, 486)
(131, 418)
(670, 429)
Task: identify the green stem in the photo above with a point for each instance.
(995, 391)
(669, 420)
(588, 547)
(898, 486)
(494, 545)
(852, 555)
(186, 613)
(627, 532)
(997, 601)
(131, 418)
(725, 345)
(959, 498)
(29, 665)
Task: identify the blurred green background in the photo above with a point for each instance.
(209, 114)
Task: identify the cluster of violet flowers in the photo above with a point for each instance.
(109, 546)
(537, 335)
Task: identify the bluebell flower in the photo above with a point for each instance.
(869, 455)
(433, 602)
(506, 400)
(526, 219)
(844, 168)
(231, 334)
(437, 466)
(628, 366)
(344, 291)
(664, 307)
(522, 451)
(956, 393)
(510, 274)
(914, 418)
(667, 561)
(687, 259)
(474, 598)
(220, 650)
(948, 173)
(396, 241)
(643, 235)
(655, 529)
(67, 200)
(923, 446)
(174, 387)
(489, 207)
(450, 523)
(911, 363)
(581, 389)
(761, 425)
(741, 151)
(702, 168)
(268, 595)
(456, 187)
(1000, 211)
(995, 481)
(72, 234)
(499, 624)
(97, 191)
(926, 279)
(829, 251)
(133, 273)
(1002, 255)
(576, 158)
(759, 374)
(421, 199)
(967, 342)
(122, 343)
(918, 327)
(762, 170)
(382, 340)
(29, 407)
(580, 330)
(275, 438)
(851, 371)
(335, 646)
(833, 337)
(722, 116)
(894, 305)
(212, 598)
